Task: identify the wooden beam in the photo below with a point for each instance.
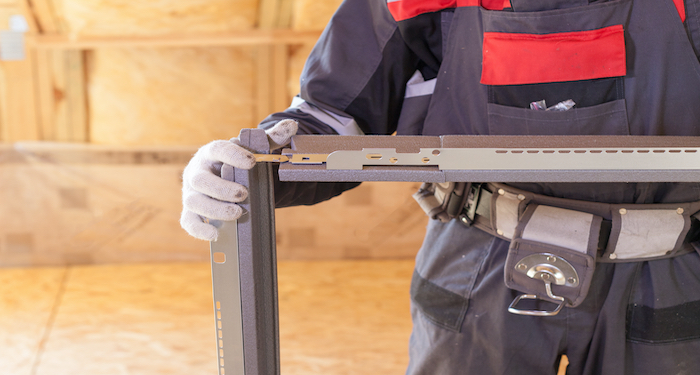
(285, 11)
(263, 82)
(46, 94)
(45, 15)
(27, 11)
(62, 95)
(240, 38)
(279, 72)
(18, 100)
(267, 14)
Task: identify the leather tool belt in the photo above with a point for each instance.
(555, 242)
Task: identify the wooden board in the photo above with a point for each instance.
(374, 221)
(61, 91)
(181, 96)
(297, 59)
(306, 15)
(18, 101)
(45, 15)
(95, 205)
(253, 37)
(125, 17)
(313, 15)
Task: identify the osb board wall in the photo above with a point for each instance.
(374, 220)
(170, 96)
(73, 204)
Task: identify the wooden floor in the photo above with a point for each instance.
(157, 319)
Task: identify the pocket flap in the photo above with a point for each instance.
(521, 58)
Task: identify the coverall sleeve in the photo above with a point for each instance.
(353, 83)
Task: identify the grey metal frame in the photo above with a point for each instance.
(244, 272)
(244, 278)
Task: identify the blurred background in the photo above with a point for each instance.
(102, 103)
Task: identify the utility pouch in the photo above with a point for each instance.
(552, 257)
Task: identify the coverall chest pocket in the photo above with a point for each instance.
(574, 54)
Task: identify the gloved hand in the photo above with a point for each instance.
(206, 196)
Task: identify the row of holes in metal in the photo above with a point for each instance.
(624, 151)
(221, 338)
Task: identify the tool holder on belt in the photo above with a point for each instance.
(555, 242)
(443, 201)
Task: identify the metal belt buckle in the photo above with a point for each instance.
(549, 269)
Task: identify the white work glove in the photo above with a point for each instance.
(206, 196)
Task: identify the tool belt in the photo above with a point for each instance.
(555, 243)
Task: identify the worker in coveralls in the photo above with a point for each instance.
(621, 265)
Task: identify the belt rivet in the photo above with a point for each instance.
(613, 256)
(623, 211)
(551, 259)
(680, 211)
(571, 280)
(500, 232)
(522, 266)
(521, 197)
(501, 192)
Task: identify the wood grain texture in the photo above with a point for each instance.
(111, 207)
(18, 100)
(125, 17)
(45, 15)
(83, 204)
(182, 96)
(251, 37)
(27, 297)
(335, 318)
(61, 90)
(313, 15)
(138, 319)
